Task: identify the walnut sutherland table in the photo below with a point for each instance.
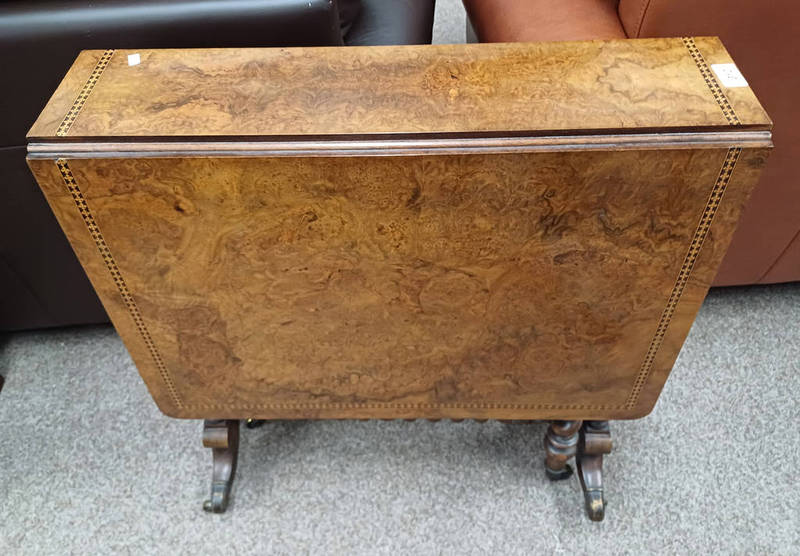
(507, 231)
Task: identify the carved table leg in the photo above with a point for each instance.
(222, 436)
(560, 444)
(595, 440)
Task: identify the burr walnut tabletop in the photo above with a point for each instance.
(501, 231)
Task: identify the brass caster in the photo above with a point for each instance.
(595, 504)
(220, 491)
(254, 423)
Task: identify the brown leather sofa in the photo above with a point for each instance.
(41, 282)
(763, 39)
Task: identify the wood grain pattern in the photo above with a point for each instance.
(742, 99)
(545, 88)
(271, 239)
(430, 286)
(83, 96)
(68, 91)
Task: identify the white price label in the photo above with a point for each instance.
(134, 59)
(729, 75)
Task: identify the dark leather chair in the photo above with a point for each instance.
(41, 282)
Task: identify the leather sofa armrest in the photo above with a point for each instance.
(39, 40)
(392, 22)
(544, 20)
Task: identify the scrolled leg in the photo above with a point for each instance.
(222, 436)
(560, 444)
(595, 440)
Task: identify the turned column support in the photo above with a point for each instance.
(560, 444)
(222, 436)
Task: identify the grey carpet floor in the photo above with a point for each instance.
(89, 465)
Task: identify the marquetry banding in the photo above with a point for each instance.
(690, 259)
(87, 89)
(370, 405)
(116, 275)
(683, 276)
(711, 81)
(701, 232)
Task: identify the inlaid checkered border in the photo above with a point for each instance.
(116, 275)
(693, 252)
(683, 276)
(711, 81)
(87, 89)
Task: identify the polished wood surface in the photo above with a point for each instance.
(442, 285)
(533, 277)
(488, 88)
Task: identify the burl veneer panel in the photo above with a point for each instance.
(530, 285)
(400, 90)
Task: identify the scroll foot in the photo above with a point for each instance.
(222, 436)
(595, 440)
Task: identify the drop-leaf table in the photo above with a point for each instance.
(494, 231)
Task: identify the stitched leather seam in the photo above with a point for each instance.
(779, 257)
(116, 275)
(693, 252)
(87, 89)
(711, 82)
(645, 5)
